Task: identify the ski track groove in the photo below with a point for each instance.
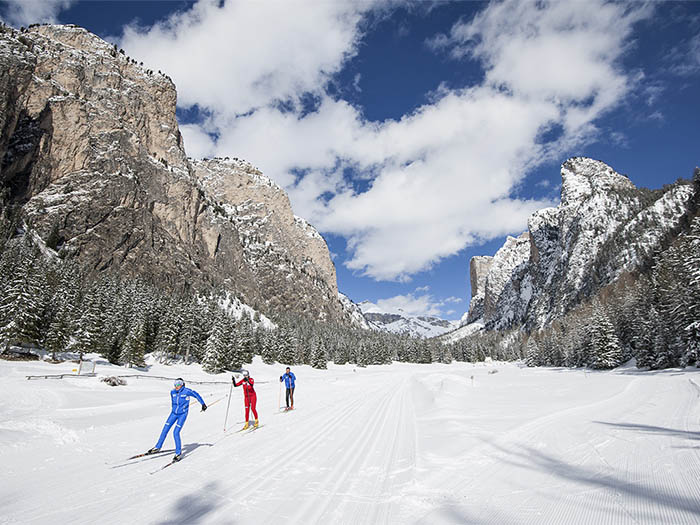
(360, 475)
(301, 442)
(354, 453)
(403, 449)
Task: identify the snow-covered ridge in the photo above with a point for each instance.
(355, 313)
(603, 227)
(404, 324)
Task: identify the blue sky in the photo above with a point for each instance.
(414, 136)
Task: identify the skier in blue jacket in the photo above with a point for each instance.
(180, 397)
(289, 379)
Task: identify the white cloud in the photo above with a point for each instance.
(26, 12)
(239, 56)
(685, 58)
(436, 180)
(406, 305)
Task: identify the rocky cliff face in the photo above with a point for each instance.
(603, 227)
(479, 267)
(91, 151)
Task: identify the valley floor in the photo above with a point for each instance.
(428, 444)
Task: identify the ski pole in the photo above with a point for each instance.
(215, 402)
(228, 405)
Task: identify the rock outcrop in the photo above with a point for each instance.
(479, 267)
(92, 154)
(604, 226)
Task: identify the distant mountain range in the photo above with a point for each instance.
(401, 323)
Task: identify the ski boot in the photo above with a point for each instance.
(245, 427)
(256, 424)
(177, 457)
(154, 450)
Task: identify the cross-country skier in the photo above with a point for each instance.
(289, 379)
(180, 397)
(249, 397)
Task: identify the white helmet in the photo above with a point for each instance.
(245, 373)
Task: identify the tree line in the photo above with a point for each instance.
(57, 305)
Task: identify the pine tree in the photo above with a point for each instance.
(215, 350)
(167, 343)
(692, 352)
(285, 350)
(604, 342)
(268, 343)
(21, 307)
(532, 352)
(57, 336)
(318, 354)
(134, 348)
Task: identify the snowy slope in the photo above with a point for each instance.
(413, 326)
(354, 313)
(412, 444)
(463, 331)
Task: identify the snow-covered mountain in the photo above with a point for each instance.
(603, 227)
(401, 323)
(93, 158)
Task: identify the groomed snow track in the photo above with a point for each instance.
(397, 444)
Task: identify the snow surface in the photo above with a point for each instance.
(462, 332)
(394, 444)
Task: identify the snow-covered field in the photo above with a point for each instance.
(395, 444)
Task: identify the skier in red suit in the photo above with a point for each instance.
(249, 397)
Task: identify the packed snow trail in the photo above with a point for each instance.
(395, 444)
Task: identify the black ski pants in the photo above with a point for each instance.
(290, 396)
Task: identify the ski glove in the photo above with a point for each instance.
(281, 379)
(204, 407)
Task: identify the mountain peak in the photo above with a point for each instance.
(582, 177)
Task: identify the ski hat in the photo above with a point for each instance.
(179, 382)
(245, 373)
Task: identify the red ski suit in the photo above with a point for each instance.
(249, 396)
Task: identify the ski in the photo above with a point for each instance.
(148, 454)
(128, 461)
(172, 462)
(249, 430)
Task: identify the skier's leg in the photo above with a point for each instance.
(176, 433)
(253, 401)
(247, 410)
(288, 391)
(166, 428)
(291, 395)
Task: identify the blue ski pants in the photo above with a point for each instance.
(178, 420)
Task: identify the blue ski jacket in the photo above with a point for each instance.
(181, 400)
(289, 379)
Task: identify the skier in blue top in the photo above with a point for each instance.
(289, 378)
(180, 397)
